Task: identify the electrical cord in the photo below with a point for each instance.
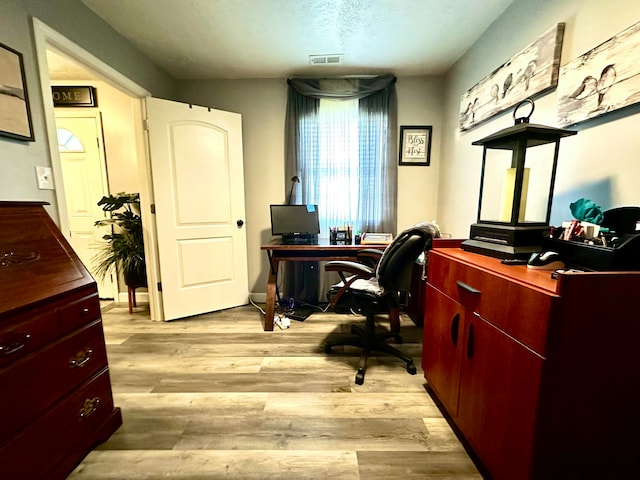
(256, 305)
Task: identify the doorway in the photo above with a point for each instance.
(194, 279)
(81, 148)
(88, 69)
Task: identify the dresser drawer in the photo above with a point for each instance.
(516, 309)
(24, 334)
(79, 312)
(28, 386)
(65, 428)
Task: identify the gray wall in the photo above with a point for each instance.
(71, 18)
(600, 162)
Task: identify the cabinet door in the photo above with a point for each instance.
(441, 352)
(499, 386)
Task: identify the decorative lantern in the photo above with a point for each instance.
(516, 188)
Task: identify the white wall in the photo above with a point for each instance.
(600, 162)
(262, 103)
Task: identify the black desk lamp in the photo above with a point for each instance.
(295, 179)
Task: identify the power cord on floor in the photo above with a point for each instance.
(256, 305)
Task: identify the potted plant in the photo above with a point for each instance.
(124, 247)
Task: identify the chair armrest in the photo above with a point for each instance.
(354, 270)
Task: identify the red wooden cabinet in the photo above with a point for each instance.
(535, 372)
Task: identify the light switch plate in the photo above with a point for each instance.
(45, 178)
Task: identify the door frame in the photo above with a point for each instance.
(46, 38)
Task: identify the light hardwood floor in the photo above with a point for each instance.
(215, 396)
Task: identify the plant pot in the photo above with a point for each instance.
(135, 278)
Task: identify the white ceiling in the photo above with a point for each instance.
(204, 39)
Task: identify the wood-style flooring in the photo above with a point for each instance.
(214, 396)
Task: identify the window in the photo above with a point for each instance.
(342, 156)
(68, 142)
(332, 175)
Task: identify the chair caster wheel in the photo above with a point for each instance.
(411, 369)
(360, 378)
(327, 349)
(398, 339)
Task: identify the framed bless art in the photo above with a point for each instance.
(415, 145)
(15, 117)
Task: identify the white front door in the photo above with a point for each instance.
(85, 183)
(198, 189)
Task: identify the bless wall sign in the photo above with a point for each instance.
(74, 96)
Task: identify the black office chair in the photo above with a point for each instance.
(380, 291)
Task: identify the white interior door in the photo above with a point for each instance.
(198, 183)
(85, 183)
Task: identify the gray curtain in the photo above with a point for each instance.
(377, 103)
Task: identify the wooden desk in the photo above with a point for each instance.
(277, 252)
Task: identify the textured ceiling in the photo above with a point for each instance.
(201, 39)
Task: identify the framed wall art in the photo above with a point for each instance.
(531, 71)
(415, 145)
(605, 79)
(15, 116)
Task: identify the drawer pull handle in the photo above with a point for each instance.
(455, 322)
(468, 288)
(14, 346)
(470, 342)
(81, 358)
(85, 311)
(89, 407)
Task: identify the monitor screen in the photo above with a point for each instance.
(288, 219)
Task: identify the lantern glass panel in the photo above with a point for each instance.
(539, 162)
(492, 208)
(499, 185)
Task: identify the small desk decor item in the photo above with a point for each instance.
(516, 188)
(15, 116)
(415, 145)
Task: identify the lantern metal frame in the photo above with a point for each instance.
(515, 238)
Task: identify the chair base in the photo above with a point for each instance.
(369, 341)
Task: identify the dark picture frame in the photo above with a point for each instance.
(415, 145)
(15, 114)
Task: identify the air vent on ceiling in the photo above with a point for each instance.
(325, 59)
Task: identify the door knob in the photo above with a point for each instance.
(240, 223)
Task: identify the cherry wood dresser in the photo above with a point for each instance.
(56, 402)
(540, 376)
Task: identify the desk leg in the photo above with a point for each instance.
(271, 295)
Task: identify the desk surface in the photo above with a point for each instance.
(323, 245)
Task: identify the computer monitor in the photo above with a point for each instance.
(296, 223)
